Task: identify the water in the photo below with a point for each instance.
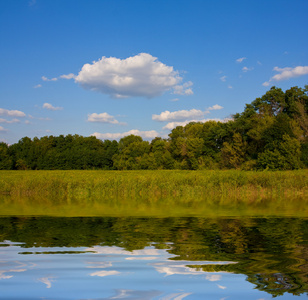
(153, 258)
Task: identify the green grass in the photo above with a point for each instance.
(164, 193)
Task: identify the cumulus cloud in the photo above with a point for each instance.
(287, 73)
(9, 121)
(138, 76)
(116, 136)
(178, 115)
(11, 113)
(172, 125)
(239, 60)
(103, 118)
(51, 107)
(183, 89)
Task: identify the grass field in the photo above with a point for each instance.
(153, 192)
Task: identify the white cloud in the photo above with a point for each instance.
(68, 76)
(9, 122)
(37, 86)
(287, 73)
(2, 129)
(178, 115)
(104, 273)
(215, 107)
(239, 60)
(221, 287)
(223, 78)
(46, 79)
(172, 125)
(11, 113)
(137, 76)
(175, 99)
(50, 107)
(103, 118)
(230, 86)
(246, 69)
(47, 281)
(213, 277)
(115, 136)
(183, 89)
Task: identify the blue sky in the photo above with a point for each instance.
(111, 68)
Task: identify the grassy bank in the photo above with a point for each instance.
(157, 192)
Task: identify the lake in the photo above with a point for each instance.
(153, 257)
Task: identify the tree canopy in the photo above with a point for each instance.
(271, 133)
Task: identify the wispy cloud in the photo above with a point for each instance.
(223, 78)
(2, 129)
(51, 107)
(11, 113)
(115, 136)
(246, 69)
(183, 89)
(37, 86)
(9, 121)
(287, 73)
(47, 79)
(241, 59)
(47, 280)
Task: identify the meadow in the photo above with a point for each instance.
(163, 193)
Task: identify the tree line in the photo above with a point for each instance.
(271, 133)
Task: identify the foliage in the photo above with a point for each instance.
(271, 133)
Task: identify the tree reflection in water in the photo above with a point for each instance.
(271, 252)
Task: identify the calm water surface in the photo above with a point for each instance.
(153, 258)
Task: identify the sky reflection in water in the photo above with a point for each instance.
(159, 270)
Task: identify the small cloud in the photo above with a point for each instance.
(27, 122)
(230, 86)
(245, 69)
(175, 99)
(103, 118)
(37, 86)
(213, 277)
(115, 136)
(221, 287)
(46, 79)
(178, 115)
(50, 107)
(32, 2)
(47, 281)
(183, 89)
(11, 113)
(223, 78)
(239, 60)
(287, 73)
(68, 76)
(9, 121)
(2, 129)
(215, 107)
